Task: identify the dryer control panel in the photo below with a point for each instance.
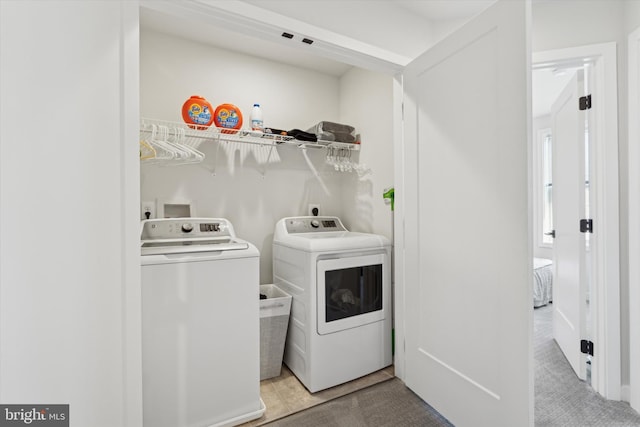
(314, 224)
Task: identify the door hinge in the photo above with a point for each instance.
(586, 347)
(586, 226)
(585, 102)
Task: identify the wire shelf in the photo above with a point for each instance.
(194, 134)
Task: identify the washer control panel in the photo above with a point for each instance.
(186, 228)
(311, 224)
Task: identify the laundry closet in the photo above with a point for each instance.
(89, 286)
(255, 185)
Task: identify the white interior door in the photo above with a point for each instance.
(467, 259)
(568, 171)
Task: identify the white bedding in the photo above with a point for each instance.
(542, 281)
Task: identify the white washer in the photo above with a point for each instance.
(340, 323)
(200, 324)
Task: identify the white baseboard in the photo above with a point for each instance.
(625, 393)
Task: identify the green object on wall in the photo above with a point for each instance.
(389, 193)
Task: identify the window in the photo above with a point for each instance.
(587, 182)
(547, 189)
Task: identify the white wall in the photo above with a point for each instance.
(631, 15)
(69, 276)
(253, 196)
(566, 23)
(366, 101)
(632, 23)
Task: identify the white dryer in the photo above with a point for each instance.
(340, 323)
(200, 324)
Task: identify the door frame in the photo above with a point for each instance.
(399, 229)
(634, 214)
(130, 199)
(605, 294)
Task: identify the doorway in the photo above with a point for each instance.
(561, 171)
(602, 269)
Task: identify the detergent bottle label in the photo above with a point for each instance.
(199, 114)
(227, 118)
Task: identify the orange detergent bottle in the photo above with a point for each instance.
(228, 117)
(197, 111)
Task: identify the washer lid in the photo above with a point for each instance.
(326, 234)
(181, 246)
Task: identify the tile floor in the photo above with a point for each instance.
(285, 395)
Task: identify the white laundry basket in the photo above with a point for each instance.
(274, 321)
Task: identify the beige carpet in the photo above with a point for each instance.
(562, 399)
(285, 395)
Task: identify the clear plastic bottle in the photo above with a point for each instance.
(256, 118)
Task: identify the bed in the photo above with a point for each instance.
(542, 281)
